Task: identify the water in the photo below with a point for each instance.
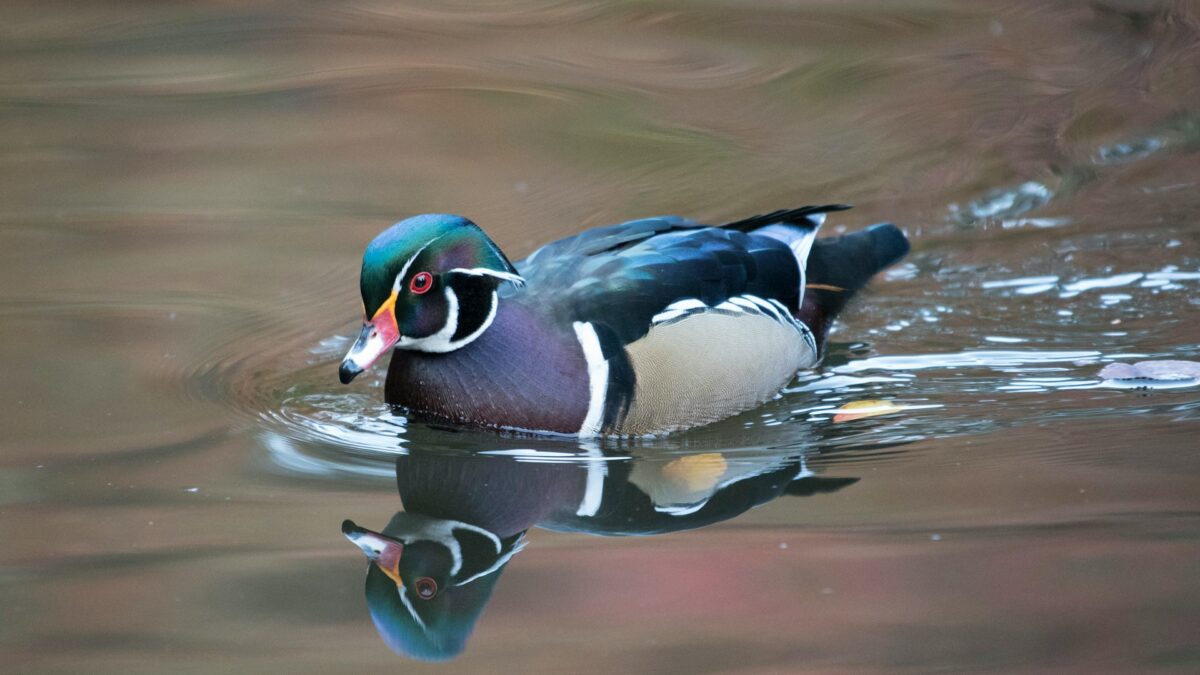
(185, 191)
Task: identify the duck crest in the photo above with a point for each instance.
(450, 243)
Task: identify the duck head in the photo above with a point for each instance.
(428, 283)
(429, 580)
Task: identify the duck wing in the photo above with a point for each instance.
(624, 276)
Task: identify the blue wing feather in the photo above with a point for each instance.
(622, 275)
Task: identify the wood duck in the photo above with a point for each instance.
(642, 328)
(435, 565)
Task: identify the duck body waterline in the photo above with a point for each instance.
(645, 327)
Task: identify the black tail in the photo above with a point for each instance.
(839, 266)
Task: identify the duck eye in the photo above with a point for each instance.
(426, 588)
(421, 283)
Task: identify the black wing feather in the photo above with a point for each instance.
(622, 275)
(788, 216)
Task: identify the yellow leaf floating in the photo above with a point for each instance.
(695, 472)
(869, 408)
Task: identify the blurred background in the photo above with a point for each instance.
(186, 189)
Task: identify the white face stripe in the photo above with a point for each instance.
(442, 532)
(403, 592)
(500, 562)
(485, 271)
(441, 341)
(597, 378)
(408, 263)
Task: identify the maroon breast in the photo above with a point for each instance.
(521, 373)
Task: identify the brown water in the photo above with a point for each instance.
(185, 191)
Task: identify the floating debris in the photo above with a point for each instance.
(1151, 374)
(868, 408)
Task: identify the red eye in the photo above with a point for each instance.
(421, 283)
(426, 588)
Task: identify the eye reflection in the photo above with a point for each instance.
(421, 282)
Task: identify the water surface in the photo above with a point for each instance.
(185, 191)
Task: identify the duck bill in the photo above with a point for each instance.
(382, 550)
(377, 337)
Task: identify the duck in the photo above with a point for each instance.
(643, 328)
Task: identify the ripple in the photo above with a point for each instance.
(348, 419)
(316, 428)
(118, 364)
(984, 358)
(292, 458)
(660, 68)
(1020, 282)
(1076, 287)
(1119, 153)
(1034, 285)
(1003, 203)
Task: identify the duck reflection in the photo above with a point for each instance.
(435, 564)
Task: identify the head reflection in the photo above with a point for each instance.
(434, 566)
(426, 598)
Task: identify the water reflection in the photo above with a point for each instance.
(186, 188)
(465, 515)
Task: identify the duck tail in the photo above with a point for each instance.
(795, 227)
(839, 266)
